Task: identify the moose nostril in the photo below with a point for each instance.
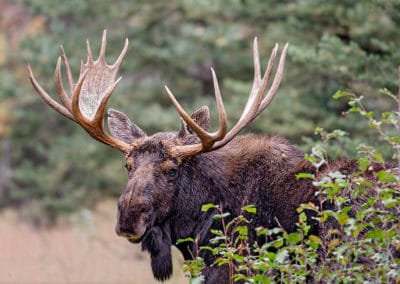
(123, 231)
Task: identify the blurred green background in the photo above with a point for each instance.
(50, 166)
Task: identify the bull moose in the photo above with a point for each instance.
(172, 174)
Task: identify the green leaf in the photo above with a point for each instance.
(368, 114)
(340, 94)
(294, 238)
(220, 216)
(336, 133)
(378, 157)
(208, 206)
(277, 243)
(250, 209)
(216, 240)
(376, 234)
(390, 202)
(242, 230)
(221, 261)
(304, 175)
(384, 91)
(179, 241)
(384, 176)
(355, 109)
(374, 124)
(217, 232)
(315, 239)
(394, 139)
(364, 163)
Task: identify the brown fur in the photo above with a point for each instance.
(163, 198)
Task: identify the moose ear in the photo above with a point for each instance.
(122, 128)
(201, 117)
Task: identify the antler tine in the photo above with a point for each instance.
(102, 53)
(201, 133)
(223, 120)
(60, 88)
(256, 61)
(47, 98)
(89, 52)
(122, 55)
(67, 69)
(98, 71)
(259, 84)
(268, 70)
(207, 139)
(256, 103)
(277, 81)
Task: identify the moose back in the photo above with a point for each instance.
(172, 174)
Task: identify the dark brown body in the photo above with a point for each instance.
(251, 169)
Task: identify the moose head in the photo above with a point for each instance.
(170, 174)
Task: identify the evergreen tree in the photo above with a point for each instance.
(55, 167)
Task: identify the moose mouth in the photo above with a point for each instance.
(135, 237)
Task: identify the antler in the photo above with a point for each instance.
(254, 106)
(87, 103)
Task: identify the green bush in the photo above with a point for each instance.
(360, 239)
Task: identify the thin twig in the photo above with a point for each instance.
(398, 121)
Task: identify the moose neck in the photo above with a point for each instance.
(226, 178)
(202, 183)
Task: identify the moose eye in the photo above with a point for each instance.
(172, 173)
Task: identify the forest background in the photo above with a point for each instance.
(50, 167)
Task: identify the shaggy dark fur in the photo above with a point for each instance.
(162, 200)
